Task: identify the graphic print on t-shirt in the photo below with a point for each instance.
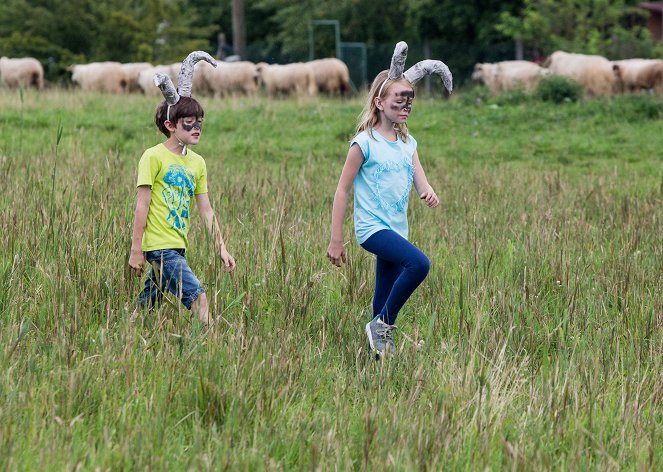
(392, 193)
(180, 185)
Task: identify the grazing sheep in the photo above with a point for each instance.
(132, 70)
(486, 74)
(231, 78)
(635, 74)
(651, 77)
(100, 77)
(594, 73)
(295, 78)
(331, 76)
(509, 75)
(146, 78)
(21, 72)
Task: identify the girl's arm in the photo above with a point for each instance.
(206, 211)
(136, 258)
(424, 189)
(353, 161)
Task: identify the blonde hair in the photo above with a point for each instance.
(370, 115)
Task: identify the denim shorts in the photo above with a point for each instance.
(169, 272)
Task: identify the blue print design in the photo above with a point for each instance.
(180, 184)
(400, 204)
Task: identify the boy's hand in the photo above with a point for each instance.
(336, 253)
(430, 198)
(137, 262)
(228, 260)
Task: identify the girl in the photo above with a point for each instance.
(383, 163)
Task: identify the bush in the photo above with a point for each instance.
(558, 89)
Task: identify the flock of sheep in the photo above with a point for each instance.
(329, 76)
(597, 75)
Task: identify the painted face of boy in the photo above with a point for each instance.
(190, 123)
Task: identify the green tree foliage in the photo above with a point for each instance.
(462, 33)
(60, 33)
(612, 28)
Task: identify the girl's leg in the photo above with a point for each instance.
(386, 273)
(391, 247)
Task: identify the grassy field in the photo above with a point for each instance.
(535, 343)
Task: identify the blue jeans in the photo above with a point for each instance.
(173, 274)
(400, 268)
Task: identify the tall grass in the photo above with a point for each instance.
(535, 342)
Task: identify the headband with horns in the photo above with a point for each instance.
(185, 80)
(417, 72)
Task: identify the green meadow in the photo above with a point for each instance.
(535, 343)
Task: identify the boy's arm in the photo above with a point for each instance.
(136, 258)
(206, 211)
(424, 189)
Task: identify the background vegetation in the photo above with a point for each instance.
(535, 342)
(461, 33)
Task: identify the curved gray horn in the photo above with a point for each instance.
(186, 72)
(417, 72)
(167, 88)
(398, 61)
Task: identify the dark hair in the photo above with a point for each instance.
(186, 106)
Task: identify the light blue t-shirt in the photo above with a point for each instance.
(382, 185)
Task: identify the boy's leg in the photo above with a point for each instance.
(201, 309)
(392, 247)
(152, 292)
(179, 279)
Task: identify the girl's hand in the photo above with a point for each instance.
(228, 260)
(430, 198)
(137, 262)
(336, 253)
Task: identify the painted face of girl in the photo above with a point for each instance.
(403, 101)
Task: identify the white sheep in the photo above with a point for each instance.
(230, 78)
(594, 73)
(635, 74)
(132, 70)
(146, 78)
(295, 78)
(505, 76)
(331, 76)
(100, 77)
(21, 72)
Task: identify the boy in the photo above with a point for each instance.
(169, 175)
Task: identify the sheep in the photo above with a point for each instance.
(21, 72)
(100, 76)
(230, 78)
(651, 77)
(296, 78)
(635, 74)
(487, 74)
(594, 73)
(146, 78)
(132, 70)
(509, 75)
(331, 76)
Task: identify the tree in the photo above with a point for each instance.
(605, 27)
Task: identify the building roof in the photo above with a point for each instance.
(652, 6)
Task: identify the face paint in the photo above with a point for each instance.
(198, 124)
(408, 95)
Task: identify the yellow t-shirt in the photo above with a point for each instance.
(174, 180)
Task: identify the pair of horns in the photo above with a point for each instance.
(185, 79)
(418, 71)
